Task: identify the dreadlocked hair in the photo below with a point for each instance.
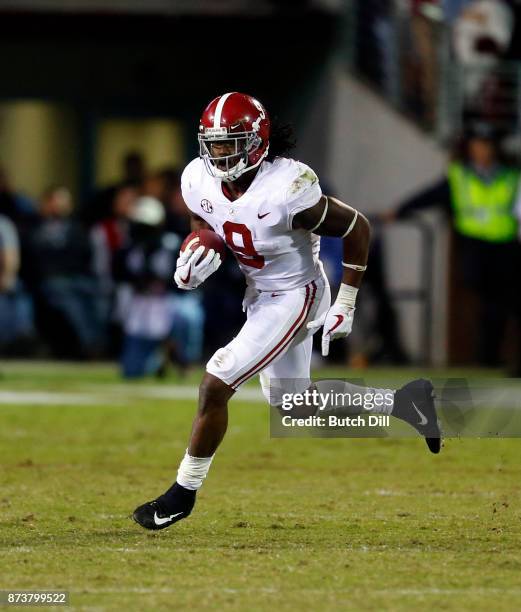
(282, 139)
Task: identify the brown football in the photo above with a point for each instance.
(206, 238)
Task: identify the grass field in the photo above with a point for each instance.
(288, 524)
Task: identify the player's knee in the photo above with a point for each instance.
(223, 364)
(213, 393)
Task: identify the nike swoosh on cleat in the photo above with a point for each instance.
(166, 519)
(424, 420)
(264, 215)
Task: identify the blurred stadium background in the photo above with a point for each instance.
(99, 106)
(99, 109)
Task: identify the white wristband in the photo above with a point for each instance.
(346, 296)
(356, 267)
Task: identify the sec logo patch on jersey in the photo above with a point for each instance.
(207, 206)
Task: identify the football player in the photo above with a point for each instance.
(271, 212)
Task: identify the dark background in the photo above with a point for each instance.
(140, 65)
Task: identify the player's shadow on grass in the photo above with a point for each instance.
(119, 537)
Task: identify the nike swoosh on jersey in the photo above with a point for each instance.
(275, 294)
(264, 215)
(166, 519)
(340, 319)
(423, 418)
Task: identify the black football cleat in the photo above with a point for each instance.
(166, 510)
(414, 404)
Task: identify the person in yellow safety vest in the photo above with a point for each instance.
(479, 192)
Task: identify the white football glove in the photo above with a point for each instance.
(189, 274)
(337, 322)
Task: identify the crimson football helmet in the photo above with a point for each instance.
(242, 124)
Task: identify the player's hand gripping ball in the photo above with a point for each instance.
(201, 255)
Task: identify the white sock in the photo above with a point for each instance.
(342, 398)
(193, 470)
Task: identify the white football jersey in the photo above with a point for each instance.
(258, 226)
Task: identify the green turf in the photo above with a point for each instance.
(288, 524)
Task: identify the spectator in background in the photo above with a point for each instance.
(16, 313)
(134, 169)
(133, 175)
(377, 338)
(59, 269)
(177, 216)
(156, 185)
(112, 234)
(108, 237)
(514, 51)
(374, 44)
(14, 205)
(165, 185)
(478, 192)
(481, 37)
(426, 17)
(159, 318)
(452, 9)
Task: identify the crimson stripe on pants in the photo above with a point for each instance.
(299, 322)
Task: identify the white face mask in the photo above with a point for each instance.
(231, 166)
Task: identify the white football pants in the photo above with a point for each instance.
(274, 341)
